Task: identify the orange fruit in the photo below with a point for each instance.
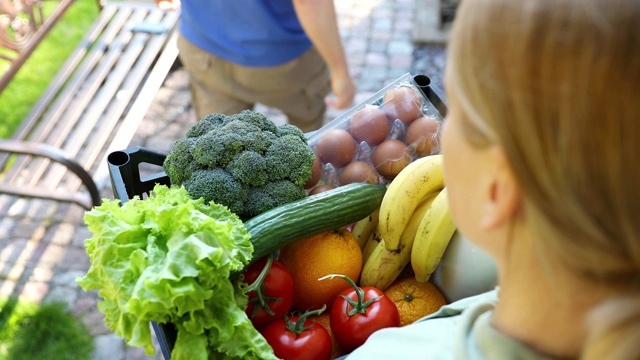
(414, 299)
(323, 319)
(331, 252)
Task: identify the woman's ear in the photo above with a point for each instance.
(503, 198)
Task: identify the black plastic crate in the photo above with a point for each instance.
(127, 182)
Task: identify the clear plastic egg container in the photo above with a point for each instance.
(374, 140)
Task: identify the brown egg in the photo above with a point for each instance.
(422, 135)
(321, 188)
(336, 147)
(358, 172)
(390, 157)
(402, 103)
(316, 173)
(370, 124)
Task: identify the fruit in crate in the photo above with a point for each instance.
(358, 312)
(414, 299)
(383, 266)
(332, 252)
(298, 337)
(324, 320)
(432, 238)
(270, 291)
(420, 179)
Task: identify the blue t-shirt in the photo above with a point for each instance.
(256, 33)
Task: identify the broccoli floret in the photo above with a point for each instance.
(261, 142)
(290, 158)
(217, 147)
(179, 163)
(208, 123)
(271, 195)
(224, 158)
(218, 186)
(288, 129)
(256, 119)
(249, 168)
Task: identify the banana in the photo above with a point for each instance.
(363, 229)
(433, 236)
(418, 180)
(383, 266)
(372, 243)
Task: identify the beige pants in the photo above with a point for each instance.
(297, 88)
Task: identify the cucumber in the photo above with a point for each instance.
(312, 215)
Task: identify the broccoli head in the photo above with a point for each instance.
(271, 195)
(217, 147)
(179, 163)
(249, 168)
(255, 119)
(288, 129)
(206, 124)
(226, 158)
(290, 158)
(219, 186)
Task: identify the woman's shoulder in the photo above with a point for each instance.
(435, 335)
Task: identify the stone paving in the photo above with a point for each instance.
(42, 242)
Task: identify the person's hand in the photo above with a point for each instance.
(168, 4)
(344, 91)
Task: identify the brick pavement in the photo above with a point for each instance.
(42, 242)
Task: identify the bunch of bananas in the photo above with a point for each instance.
(413, 225)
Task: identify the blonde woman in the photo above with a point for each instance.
(541, 149)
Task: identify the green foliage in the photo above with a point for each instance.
(248, 151)
(35, 332)
(31, 80)
(169, 258)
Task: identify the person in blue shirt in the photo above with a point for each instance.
(540, 145)
(285, 54)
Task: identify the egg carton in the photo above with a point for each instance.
(374, 140)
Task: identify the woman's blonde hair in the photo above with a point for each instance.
(556, 83)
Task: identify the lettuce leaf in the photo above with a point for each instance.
(170, 259)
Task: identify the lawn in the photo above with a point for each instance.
(30, 331)
(32, 79)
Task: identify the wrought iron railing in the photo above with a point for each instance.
(23, 25)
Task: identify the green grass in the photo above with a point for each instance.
(37, 332)
(34, 76)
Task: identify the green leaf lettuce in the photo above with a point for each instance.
(169, 259)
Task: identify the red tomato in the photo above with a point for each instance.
(271, 298)
(299, 338)
(364, 310)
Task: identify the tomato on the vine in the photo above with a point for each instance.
(298, 338)
(270, 291)
(358, 312)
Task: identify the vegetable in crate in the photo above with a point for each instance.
(358, 312)
(270, 291)
(243, 161)
(169, 259)
(298, 337)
